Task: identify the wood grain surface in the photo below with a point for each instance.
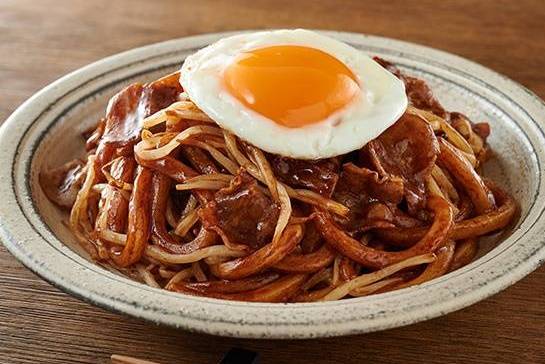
(42, 40)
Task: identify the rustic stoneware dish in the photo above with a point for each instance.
(45, 131)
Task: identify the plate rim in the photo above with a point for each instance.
(241, 330)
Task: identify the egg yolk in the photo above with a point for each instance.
(292, 85)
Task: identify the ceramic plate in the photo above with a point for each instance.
(45, 129)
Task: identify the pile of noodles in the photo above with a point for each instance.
(125, 214)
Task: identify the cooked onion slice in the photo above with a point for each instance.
(180, 276)
(146, 276)
(181, 110)
(79, 220)
(224, 161)
(285, 212)
(372, 288)
(366, 279)
(168, 258)
(266, 172)
(187, 222)
(445, 184)
(143, 150)
(206, 182)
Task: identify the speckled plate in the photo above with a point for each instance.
(45, 130)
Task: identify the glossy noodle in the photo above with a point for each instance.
(168, 197)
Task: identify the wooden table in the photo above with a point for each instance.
(42, 40)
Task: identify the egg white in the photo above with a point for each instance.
(381, 102)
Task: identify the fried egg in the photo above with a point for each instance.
(295, 93)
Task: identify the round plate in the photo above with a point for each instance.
(45, 131)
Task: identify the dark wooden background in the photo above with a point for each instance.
(42, 40)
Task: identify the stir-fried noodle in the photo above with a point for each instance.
(170, 198)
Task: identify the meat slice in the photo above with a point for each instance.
(114, 135)
(92, 135)
(241, 213)
(421, 96)
(368, 196)
(61, 184)
(319, 176)
(161, 93)
(123, 117)
(418, 91)
(128, 108)
(408, 150)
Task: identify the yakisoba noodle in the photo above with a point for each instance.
(171, 199)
